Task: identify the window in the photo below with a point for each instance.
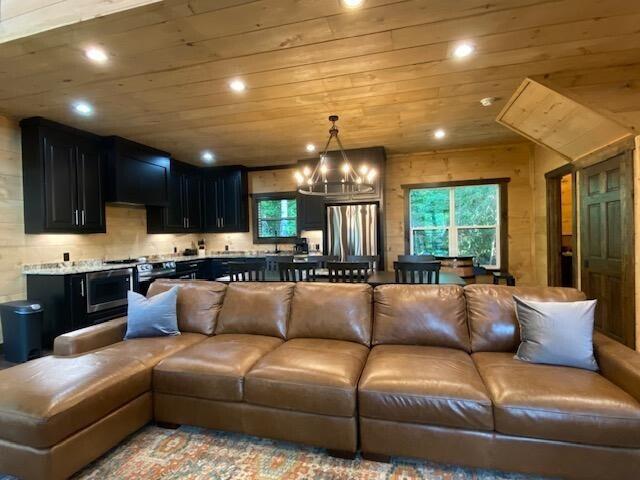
(457, 220)
(275, 218)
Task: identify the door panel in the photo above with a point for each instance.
(60, 182)
(193, 204)
(90, 189)
(606, 249)
(174, 213)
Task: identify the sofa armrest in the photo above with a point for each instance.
(90, 338)
(618, 363)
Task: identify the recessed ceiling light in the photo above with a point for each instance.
(440, 133)
(207, 156)
(311, 147)
(488, 101)
(83, 108)
(237, 86)
(96, 55)
(352, 3)
(463, 50)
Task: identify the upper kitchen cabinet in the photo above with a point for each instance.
(137, 174)
(63, 179)
(226, 200)
(184, 211)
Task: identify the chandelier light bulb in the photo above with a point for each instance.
(371, 175)
(346, 167)
(364, 169)
(299, 178)
(323, 169)
(358, 180)
(309, 182)
(306, 171)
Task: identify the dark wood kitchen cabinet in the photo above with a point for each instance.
(311, 212)
(137, 174)
(226, 200)
(184, 211)
(63, 179)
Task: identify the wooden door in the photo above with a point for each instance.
(175, 212)
(90, 188)
(606, 249)
(61, 203)
(211, 204)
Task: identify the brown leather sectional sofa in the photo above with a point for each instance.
(421, 371)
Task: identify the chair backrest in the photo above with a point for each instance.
(348, 272)
(416, 258)
(247, 271)
(372, 260)
(322, 260)
(272, 261)
(297, 271)
(414, 272)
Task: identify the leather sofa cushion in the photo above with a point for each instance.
(260, 308)
(430, 315)
(214, 369)
(558, 403)
(308, 375)
(46, 400)
(332, 311)
(150, 351)
(492, 316)
(199, 303)
(425, 385)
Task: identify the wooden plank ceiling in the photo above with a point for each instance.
(385, 68)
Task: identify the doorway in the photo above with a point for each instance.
(561, 227)
(607, 244)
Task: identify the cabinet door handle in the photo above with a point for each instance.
(76, 216)
(84, 222)
(82, 287)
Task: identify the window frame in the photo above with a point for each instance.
(257, 197)
(502, 225)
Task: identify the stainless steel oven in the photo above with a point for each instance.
(108, 289)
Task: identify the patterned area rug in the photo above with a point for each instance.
(197, 454)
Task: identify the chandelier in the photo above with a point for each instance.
(324, 180)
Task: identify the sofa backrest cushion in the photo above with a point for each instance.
(338, 311)
(430, 315)
(492, 315)
(258, 308)
(199, 303)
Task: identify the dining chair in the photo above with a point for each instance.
(372, 260)
(414, 272)
(247, 271)
(416, 258)
(348, 272)
(322, 260)
(272, 261)
(297, 271)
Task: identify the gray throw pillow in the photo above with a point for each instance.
(556, 333)
(152, 317)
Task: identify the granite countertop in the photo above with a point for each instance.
(87, 266)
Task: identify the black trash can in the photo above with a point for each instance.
(22, 330)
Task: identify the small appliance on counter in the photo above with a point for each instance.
(301, 246)
(202, 248)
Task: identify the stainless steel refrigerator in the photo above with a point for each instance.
(352, 230)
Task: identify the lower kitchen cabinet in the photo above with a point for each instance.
(64, 299)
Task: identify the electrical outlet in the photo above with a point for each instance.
(65, 256)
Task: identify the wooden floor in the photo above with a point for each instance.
(4, 364)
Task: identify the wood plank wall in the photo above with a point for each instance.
(513, 161)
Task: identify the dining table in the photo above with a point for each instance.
(375, 278)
